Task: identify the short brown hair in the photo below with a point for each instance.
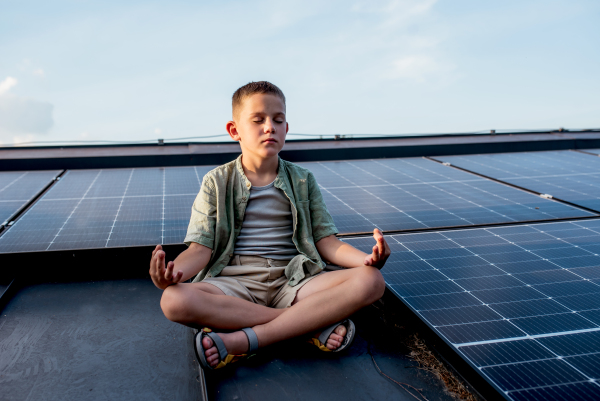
(253, 88)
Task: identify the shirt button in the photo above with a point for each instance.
(248, 184)
(244, 198)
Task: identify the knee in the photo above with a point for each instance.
(371, 283)
(173, 304)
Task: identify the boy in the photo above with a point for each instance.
(258, 233)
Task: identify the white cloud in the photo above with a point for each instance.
(20, 115)
(8, 83)
(39, 73)
(158, 131)
(23, 115)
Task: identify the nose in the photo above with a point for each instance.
(269, 126)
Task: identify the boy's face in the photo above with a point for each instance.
(260, 125)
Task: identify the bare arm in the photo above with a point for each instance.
(188, 264)
(340, 253)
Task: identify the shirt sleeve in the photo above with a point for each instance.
(204, 216)
(321, 221)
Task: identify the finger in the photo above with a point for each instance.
(154, 263)
(377, 233)
(375, 254)
(368, 260)
(380, 246)
(169, 272)
(178, 276)
(160, 262)
(156, 249)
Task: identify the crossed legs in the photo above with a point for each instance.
(322, 301)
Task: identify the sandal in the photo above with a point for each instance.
(226, 358)
(348, 338)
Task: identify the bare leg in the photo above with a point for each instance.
(322, 301)
(204, 305)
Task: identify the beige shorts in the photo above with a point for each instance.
(259, 280)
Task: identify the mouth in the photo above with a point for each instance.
(270, 140)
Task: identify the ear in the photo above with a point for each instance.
(232, 131)
(287, 127)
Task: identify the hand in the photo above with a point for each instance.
(161, 277)
(381, 251)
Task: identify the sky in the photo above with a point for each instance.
(77, 70)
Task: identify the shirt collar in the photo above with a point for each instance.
(279, 180)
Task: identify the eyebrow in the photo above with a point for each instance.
(260, 113)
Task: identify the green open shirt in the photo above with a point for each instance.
(218, 213)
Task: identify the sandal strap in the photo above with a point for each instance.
(219, 344)
(252, 339)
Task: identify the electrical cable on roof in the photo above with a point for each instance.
(403, 386)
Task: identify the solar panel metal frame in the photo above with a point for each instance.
(593, 152)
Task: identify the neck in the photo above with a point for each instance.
(260, 171)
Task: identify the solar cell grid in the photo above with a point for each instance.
(19, 187)
(528, 319)
(402, 194)
(109, 208)
(567, 175)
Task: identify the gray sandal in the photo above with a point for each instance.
(225, 358)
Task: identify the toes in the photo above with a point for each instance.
(340, 330)
(336, 337)
(207, 342)
(210, 351)
(213, 360)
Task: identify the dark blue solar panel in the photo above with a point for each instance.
(553, 323)
(480, 331)
(467, 314)
(533, 307)
(17, 188)
(587, 364)
(573, 392)
(503, 353)
(524, 306)
(402, 194)
(592, 315)
(580, 302)
(109, 208)
(567, 175)
(527, 375)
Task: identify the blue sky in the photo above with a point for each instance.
(140, 70)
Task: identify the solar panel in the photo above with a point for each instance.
(412, 193)
(109, 208)
(567, 175)
(520, 303)
(19, 187)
